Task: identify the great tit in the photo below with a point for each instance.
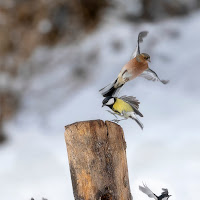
(125, 106)
(137, 66)
(164, 195)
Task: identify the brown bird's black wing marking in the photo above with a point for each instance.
(141, 35)
(110, 90)
(151, 75)
(133, 102)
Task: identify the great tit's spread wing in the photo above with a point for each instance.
(133, 102)
(148, 192)
(141, 35)
(149, 74)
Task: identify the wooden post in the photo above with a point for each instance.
(97, 160)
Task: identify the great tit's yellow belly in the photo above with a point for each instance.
(120, 106)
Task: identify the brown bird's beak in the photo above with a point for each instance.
(149, 60)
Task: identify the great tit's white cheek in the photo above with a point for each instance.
(110, 102)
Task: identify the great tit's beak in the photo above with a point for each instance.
(169, 195)
(103, 105)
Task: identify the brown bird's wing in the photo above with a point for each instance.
(133, 102)
(151, 75)
(141, 35)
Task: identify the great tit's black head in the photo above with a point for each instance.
(108, 101)
(146, 56)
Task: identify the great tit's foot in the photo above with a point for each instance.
(116, 120)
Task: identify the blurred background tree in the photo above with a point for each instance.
(27, 24)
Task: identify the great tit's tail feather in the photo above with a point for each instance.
(138, 121)
(138, 113)
(110, 90)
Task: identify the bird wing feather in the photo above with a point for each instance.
(148, 192)
(149, 74)
(165, 191)
(133, 102)
(141, 35)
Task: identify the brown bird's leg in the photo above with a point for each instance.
(125, 76)
(126, 79)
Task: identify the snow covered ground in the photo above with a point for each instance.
(165, 154)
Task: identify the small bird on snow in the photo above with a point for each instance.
(125, 106)
(164, 195)
(137, 66)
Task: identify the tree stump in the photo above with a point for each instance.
(97, 160)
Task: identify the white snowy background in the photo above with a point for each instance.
(165, 154)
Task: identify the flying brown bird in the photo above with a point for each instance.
(137, 66)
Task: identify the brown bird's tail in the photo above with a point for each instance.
(110, 90)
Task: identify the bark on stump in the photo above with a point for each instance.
(97, 160)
